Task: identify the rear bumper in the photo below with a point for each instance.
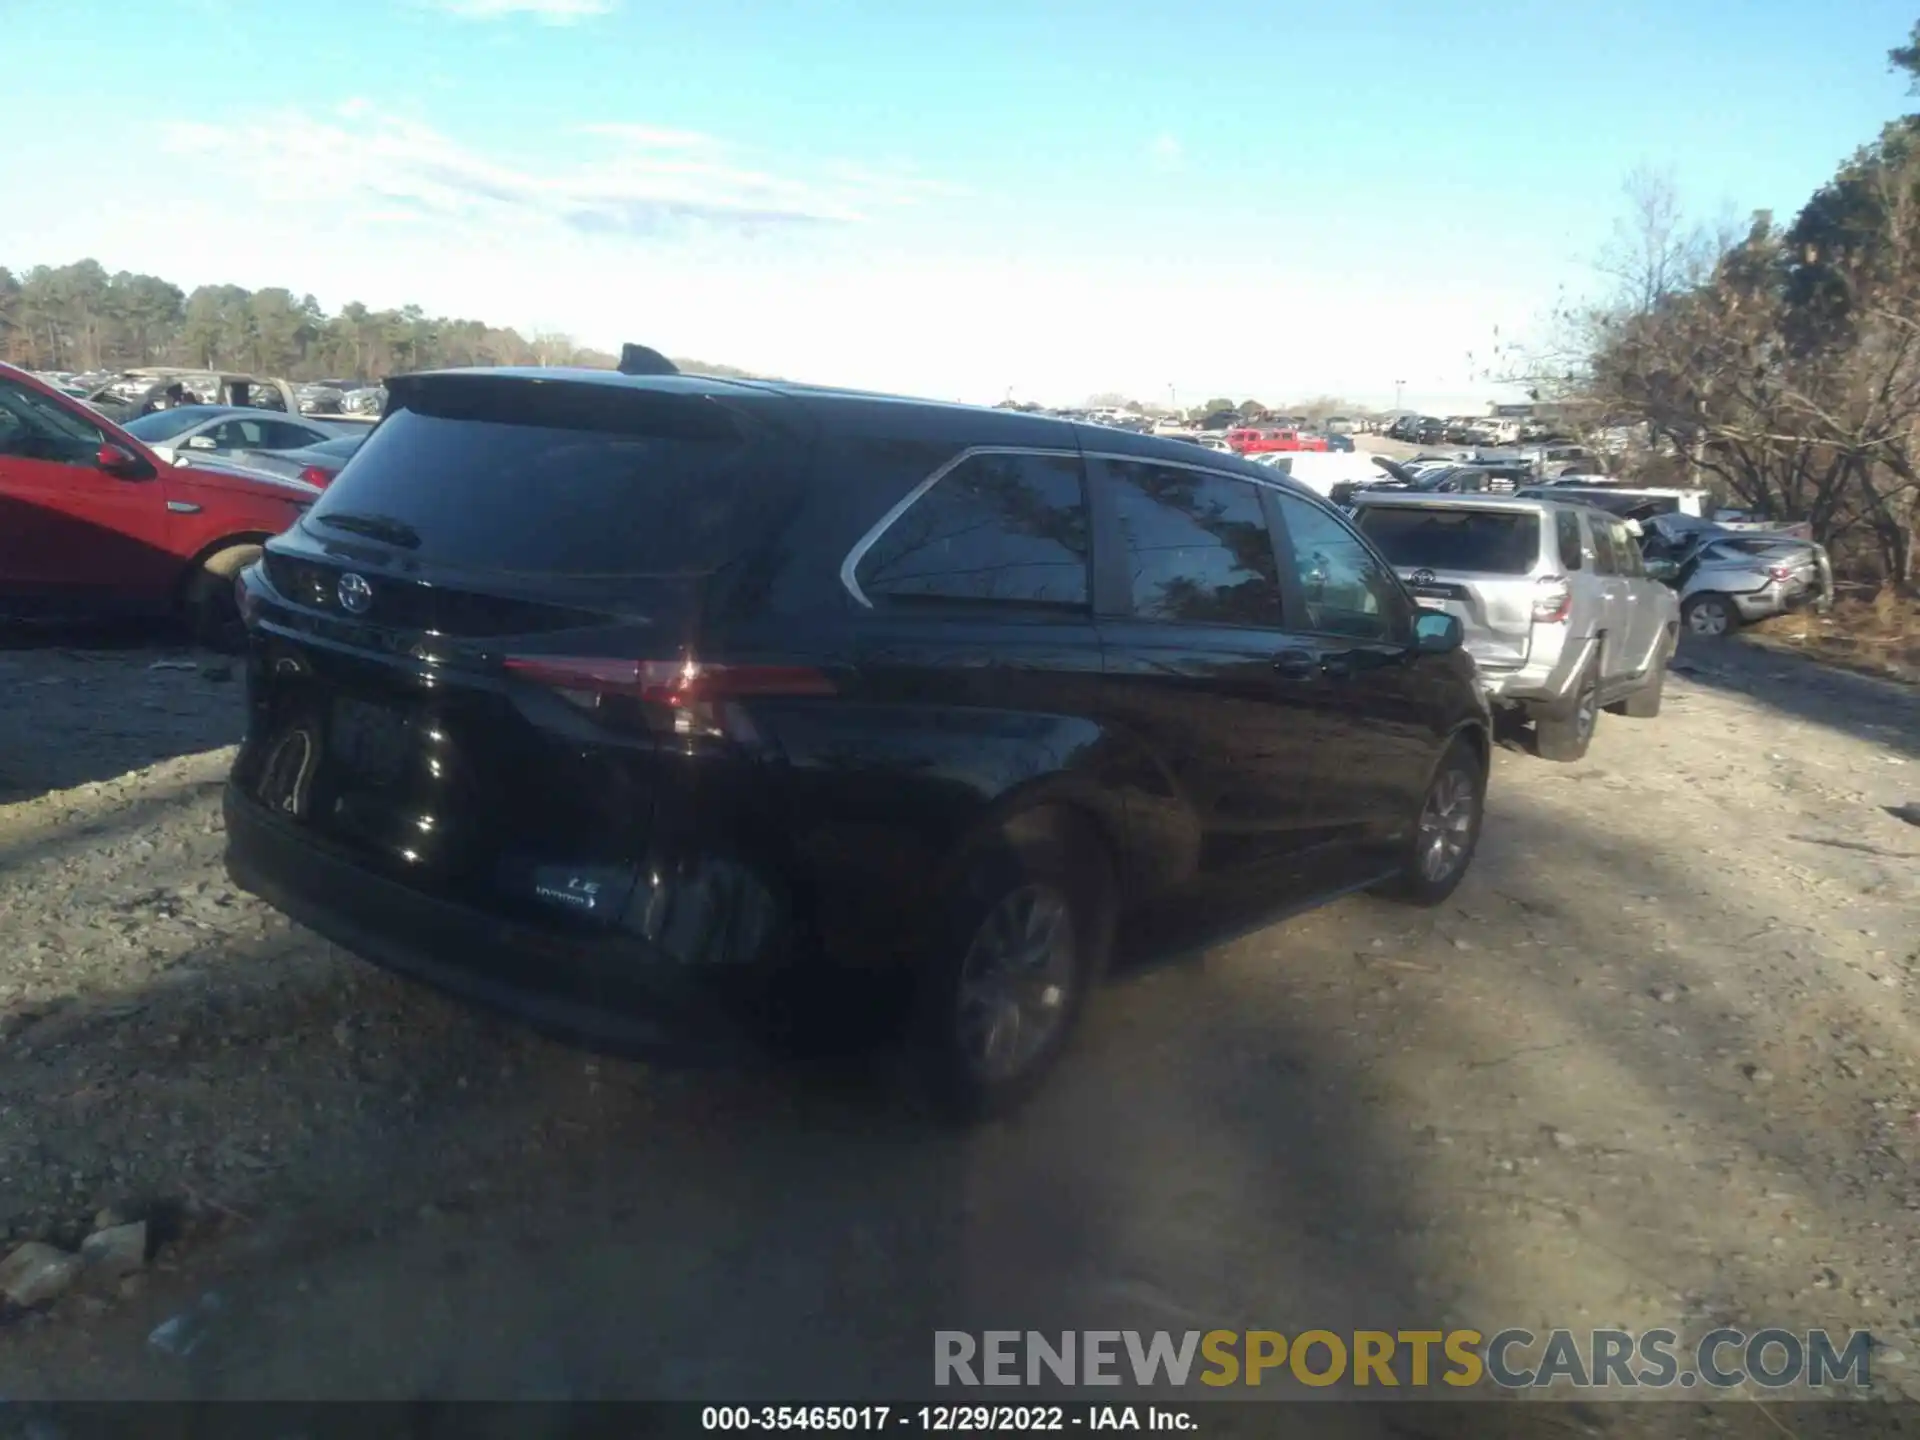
(1779, 599)
(1544, 679)
(611, 992)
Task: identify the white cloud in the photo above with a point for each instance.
(552, 12)
(658, 137)
(644, 182)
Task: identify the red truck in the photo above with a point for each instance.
(93, 523)
(1259, 439)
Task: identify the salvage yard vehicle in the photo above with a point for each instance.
(93, 522)
(659, 708)
(1560, 615)
(315, 464)
(1729, 577)
(129, 394)
(225, 430)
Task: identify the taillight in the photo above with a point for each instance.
(1552, 600)
(1780, 572)
(317, 475)
(680, 697)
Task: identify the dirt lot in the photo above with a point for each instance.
(1655, 1064)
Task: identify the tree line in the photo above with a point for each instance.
(78, 317)
(1778, 362)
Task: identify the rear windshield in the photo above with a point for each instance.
(647, 490)
(1488, 541)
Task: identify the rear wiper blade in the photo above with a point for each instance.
(374, 527)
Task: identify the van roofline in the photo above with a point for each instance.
(1092, 439)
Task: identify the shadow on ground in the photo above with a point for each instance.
(90, 706)
(1882, 712)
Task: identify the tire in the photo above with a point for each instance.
(1443, 831)
(212, 614)
(990, 1021)
(1709, 616)
(1644, 703)
(1564, 732)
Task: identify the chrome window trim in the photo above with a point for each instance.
(866, 542)
(1270, 482)
(906, 502)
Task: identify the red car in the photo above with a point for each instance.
(93, 523)
(1259, 439)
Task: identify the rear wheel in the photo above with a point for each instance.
(212, 612)
(1644, 703)
(1710, 615)
(1565, 731)
(1021, 939)
(1445, 832)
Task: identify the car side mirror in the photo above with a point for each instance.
(1436, 632)
(1661, 569)
(199, 442)
(122, 463)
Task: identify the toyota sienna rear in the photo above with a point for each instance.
(665, 710)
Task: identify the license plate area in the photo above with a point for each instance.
(370, 743)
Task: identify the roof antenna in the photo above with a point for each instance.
(639, 360)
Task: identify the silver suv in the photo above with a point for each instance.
(1560, 615)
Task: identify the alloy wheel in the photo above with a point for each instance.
(1446, 823)
(1707, 619)
(1016, 981)
(1586, 713)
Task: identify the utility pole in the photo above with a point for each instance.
(1173, 401)
(1398, 386)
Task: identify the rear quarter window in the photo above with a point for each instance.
(996, 529)
(1566, 529)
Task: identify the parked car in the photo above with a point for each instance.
(93, 522)
(1629, 502)
(224, 429)
(1560, 615)
(1260, 439)
(1324, 473)
(129, 394)
(1727, 578)
(315, 464)
(663, 705)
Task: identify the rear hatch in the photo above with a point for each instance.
(1477, 563)
(469, 664)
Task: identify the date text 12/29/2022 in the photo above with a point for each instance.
(938, 1419)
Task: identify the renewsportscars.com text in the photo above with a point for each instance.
(1511, 1359)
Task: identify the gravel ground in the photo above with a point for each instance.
(1653, 1065)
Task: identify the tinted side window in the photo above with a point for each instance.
(1566, 526)
(1006, 528)
(1626, 551)
(279, 435)
(1198, 549)
(1603, 561)
(33, 427)
(1347, 590)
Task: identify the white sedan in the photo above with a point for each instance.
(221, 429)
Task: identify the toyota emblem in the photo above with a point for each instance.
(1420, 577)
(355, 594)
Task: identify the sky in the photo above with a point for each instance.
(1046, 199)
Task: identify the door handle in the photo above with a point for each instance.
(1296, 664)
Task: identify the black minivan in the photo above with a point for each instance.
(660, 708)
